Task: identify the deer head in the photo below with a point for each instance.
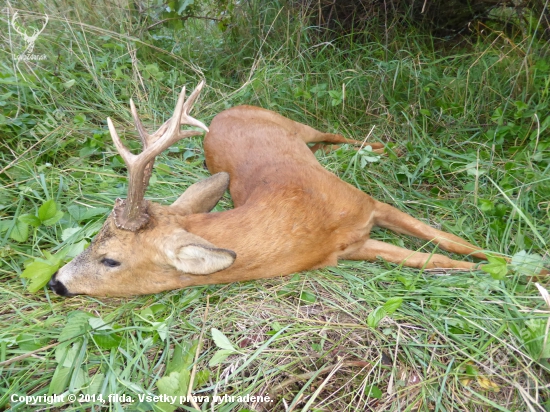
(143, 247)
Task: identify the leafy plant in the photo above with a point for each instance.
(497, 267)
(48, 215)
(226, 348)
(380, 312)
(40, 271)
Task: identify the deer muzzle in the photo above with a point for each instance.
(58, 287)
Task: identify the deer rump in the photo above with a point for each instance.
(290, 213)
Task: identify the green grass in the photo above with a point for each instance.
(472, 128)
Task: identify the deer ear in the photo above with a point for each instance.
(202, 260)
(201, 197)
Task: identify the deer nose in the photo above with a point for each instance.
(58, 287)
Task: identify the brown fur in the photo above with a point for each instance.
(290, 215)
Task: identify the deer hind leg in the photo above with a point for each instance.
(372, 249)
(391, 218)
(329, 142)
(310, 135)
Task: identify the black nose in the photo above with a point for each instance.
(58, 287)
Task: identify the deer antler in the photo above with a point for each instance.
(131, 214)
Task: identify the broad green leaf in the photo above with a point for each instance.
(56, 218)
(77, 324)
(174, 384)
(149, 312)
(66, 355)
(39, 273)
(29, 342)
(376, 316)
(367, 156)
(368, 159)
(20, 231)
(94, 387)
(5, 225)
(98, 324)
(79, 379)
(527, 263)
(68, 84)
(221, 340)
(165, 407)
(471, 370)
(47, 210)
(80, 213)
(191, 295)
(103, 334)
(60, 380)
(163, 169)
(308, 297)
(497, 267)
(220, 356)
(534, 337)
(486, 205)
(87, 151)
(201, 378)
(162, 329)
(107, 340)
(276, 326)
(76, 212)
(30, 219)
(75, 249)
(407, 282)
(474, 169)
(52, 259)
(79, 119)
(183, 357)
(373, 391)
(392, 305)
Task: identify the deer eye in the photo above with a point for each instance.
(110, 262)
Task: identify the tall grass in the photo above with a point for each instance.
(467, 127)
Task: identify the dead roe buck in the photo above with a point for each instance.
(290, 214)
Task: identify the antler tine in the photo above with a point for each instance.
(126, 155)
(143, 135)
(170, 130)
(185, 118)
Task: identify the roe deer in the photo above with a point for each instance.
(290, 213)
